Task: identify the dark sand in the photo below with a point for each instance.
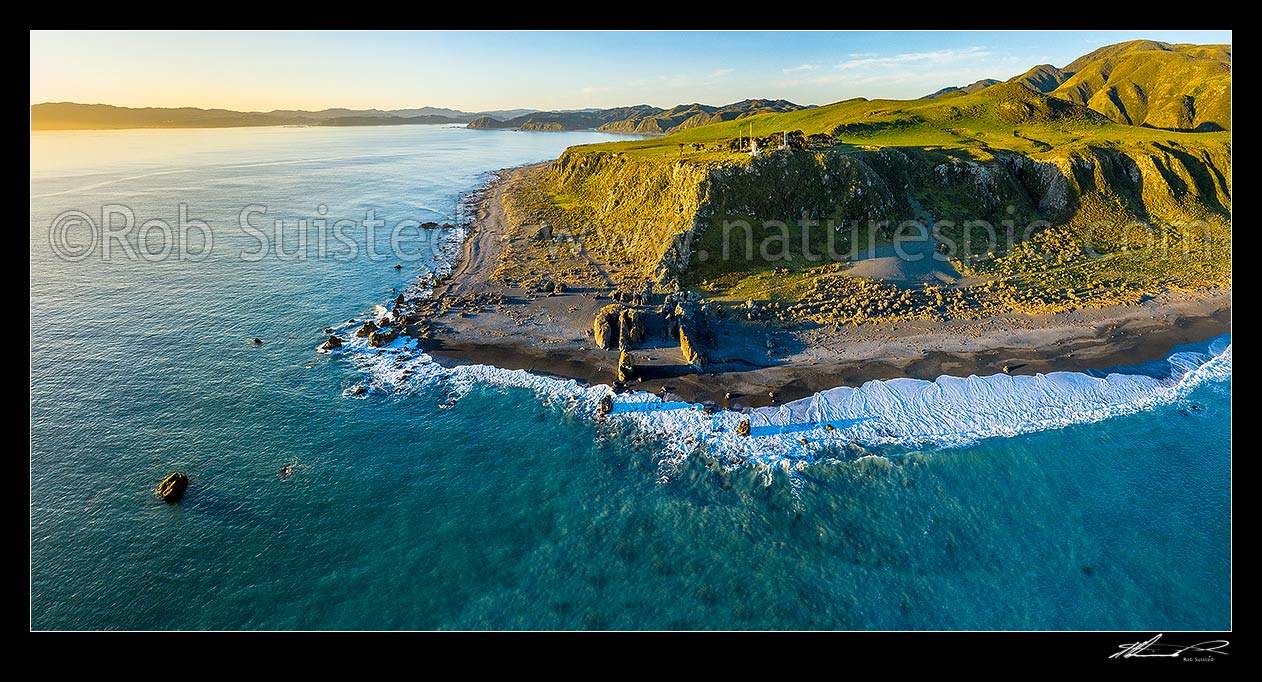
(551, 335)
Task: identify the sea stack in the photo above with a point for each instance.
(172, 488)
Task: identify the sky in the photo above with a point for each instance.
(481, 71)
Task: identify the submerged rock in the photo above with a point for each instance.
(172, 488)
(331, 343)
(606, 405)
(257, 342)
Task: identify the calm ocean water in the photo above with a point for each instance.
(510, 510)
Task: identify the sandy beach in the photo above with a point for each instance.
(474, 319)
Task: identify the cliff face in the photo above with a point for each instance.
(661, 215)
(632, 211)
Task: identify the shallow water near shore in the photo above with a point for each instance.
(484, 500)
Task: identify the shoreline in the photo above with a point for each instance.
(474, 320)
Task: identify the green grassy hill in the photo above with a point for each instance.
(656, 207)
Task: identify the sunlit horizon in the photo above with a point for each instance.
(484, 71)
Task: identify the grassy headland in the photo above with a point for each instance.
(1083, 211)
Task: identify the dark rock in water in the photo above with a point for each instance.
(399, 300)
(257, 342)
(397, 266)
(331, 343)
(626, 366)
(328, 330)
(606, 405)
(742, 429)
(381, 337)
(1087, 570)
(429, 226)
(368, 328)
(829, 427)
(172, 488)
(359, 390)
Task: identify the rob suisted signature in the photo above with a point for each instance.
(1153, 648)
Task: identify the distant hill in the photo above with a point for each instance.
(685, 116)
(1042, 78)
(1146, 83)
(566, 120)
(1159, 85)
(641, 118)
(966, 90)
(1141, 82)
(72, 116)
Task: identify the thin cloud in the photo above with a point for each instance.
(719, 73)
(801, 67)
(910, 58)
(595, 89)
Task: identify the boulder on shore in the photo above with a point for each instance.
(626, 366)
(172, 488)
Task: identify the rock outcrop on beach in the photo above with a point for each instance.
(605, 327)
(617, 326)
(172, 488)
(630, 328)
(692, 332)
(626, 366)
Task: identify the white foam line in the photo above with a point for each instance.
(947, 412)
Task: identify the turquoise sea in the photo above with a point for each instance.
(476, 499)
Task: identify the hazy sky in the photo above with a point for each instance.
(541, 70)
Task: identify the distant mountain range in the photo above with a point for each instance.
(640, 118)
(71, 116)
(1141, 82)
(634, 119)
